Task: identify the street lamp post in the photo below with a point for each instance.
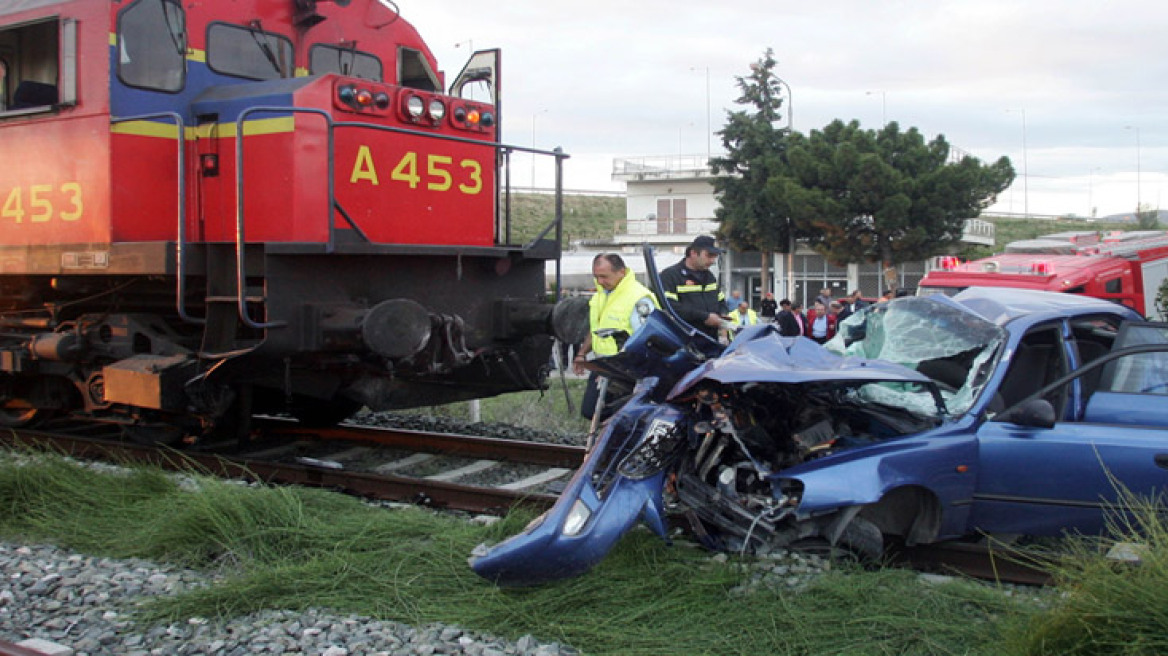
(1139, 200)
(790, 104)
(533, 116)
(709, 123)
(1025, 167)
(883, 106)
(1091, 192)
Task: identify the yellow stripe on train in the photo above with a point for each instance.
(257, 127)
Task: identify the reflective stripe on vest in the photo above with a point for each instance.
(613, 310)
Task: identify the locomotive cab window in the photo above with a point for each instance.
(249, 52)
(414, 71)
(29, 67)
(346, 61)
(152, 45)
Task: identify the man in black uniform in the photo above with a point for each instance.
(692, 289)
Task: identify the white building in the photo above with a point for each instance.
(670, 200)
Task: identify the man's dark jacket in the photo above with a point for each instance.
(767, 308)
(694, 295)
(788, 326)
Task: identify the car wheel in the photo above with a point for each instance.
(860, 542)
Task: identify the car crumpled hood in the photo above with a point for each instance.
(761, 355)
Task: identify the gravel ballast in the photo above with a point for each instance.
(85, 603)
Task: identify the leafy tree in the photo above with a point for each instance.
(853, 194)
(890, 196)
(1148, 217)
(752, 216)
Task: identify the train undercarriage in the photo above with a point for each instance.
(314, 335)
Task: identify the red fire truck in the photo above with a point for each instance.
(1125, 267)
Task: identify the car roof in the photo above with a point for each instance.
(1002, 304)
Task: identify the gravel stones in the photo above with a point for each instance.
(86, 603)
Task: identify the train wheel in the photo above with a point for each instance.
(318, 413)
(16, 415)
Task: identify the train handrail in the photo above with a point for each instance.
(240, 242)
(181, 234)
(332, 126)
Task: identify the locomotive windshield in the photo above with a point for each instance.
(249, 52)
(346, 61)
(152, 46)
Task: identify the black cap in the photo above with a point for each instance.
(705, 243)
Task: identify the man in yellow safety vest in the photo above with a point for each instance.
(616, 312)
(743, 317)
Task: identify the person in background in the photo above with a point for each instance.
(852, 305)
(886, 296)
(692, 289)
(620, 304)
(734, 301)
(820, 323)
(789, 326)
(767, 308)
(743, 316)
(824, 297)
(800, 318)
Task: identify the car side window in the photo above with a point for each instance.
(1039, 359)
(1140, 373)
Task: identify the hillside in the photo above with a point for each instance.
(585, 217)
(600, 217)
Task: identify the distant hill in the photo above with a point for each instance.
(1130, 217)
(585, 217)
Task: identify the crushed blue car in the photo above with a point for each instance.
(925, 419)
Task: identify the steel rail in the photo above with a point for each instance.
(438, 494)
(536, 453)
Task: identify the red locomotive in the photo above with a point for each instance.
(218, 208)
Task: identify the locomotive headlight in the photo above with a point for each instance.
(437, 110)
(473, 117)
(415, 106)
(364, 97)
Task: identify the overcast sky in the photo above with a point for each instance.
(1074, 92)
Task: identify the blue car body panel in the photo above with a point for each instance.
(985, 473)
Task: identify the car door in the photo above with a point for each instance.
(1044, 481)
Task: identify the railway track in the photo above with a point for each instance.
(460, 472)
(439, 470)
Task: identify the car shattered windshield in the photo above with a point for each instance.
(937, 337)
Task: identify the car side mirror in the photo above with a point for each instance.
(1035, 413)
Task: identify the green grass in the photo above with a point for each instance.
(556, 408)
(294, 548)
(585, 217)
(1107, 607)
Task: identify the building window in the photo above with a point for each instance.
(671, 216)
(152, 45)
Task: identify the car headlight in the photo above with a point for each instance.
(577, 518)
(653, 453)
